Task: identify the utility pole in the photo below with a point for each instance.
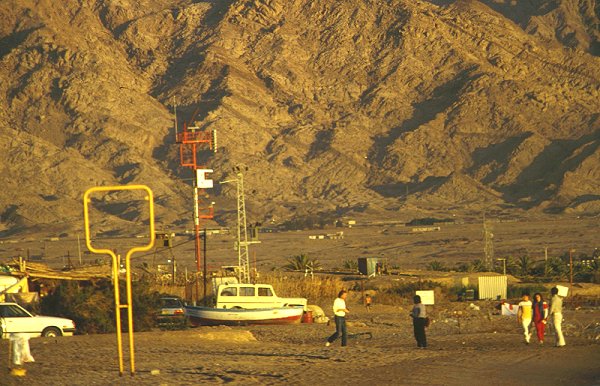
(488, 247)
(79, 250)
(503, 260)
(571, 264)
(205, 268)
(545, 261)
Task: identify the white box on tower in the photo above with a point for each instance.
(201, 181)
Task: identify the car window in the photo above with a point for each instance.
(11, 311)
(265, 291)
(229, 291)
(171, 303)
(246, 291)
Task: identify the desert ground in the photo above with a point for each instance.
(466, 346)
(403, 248)
(486, 349)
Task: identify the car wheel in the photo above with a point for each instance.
(51, 332)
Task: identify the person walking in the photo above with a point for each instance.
(339, 310)
(556, 314)
(419, 316)
(524, 316)
(368, 302)
(540, 316)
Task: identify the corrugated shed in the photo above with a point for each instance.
(492, 287)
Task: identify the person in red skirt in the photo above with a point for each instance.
(540, 316)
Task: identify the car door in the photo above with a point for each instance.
(2, 326)
(17, 319)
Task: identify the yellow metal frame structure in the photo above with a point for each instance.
(116, 265)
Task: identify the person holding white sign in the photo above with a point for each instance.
(419, 315)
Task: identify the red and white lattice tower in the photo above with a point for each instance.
(192, 140)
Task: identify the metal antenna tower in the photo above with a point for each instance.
(488, 248)
(242, 241)
(191, 140)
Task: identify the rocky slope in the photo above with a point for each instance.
(380, 109)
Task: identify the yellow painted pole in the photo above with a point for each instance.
(115, 275)
(130, 314)
(116, 266)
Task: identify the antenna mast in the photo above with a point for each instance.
(488, 248)
(242, 241)
(191, 139)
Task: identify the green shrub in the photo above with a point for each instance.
(459, 291)
(351, 265)
(92, 305)
(408, 289)
(517, 291)
(436, 266)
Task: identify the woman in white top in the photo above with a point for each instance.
(340, 311)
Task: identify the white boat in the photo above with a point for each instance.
(208, 316)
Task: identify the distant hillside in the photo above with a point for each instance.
(364, 108)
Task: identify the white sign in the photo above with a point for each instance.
(427, 297)
(201, 181)
(509, 309)
(562, 291)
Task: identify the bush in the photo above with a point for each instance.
(92, 305)
(436, 266)
(517, 291)
(408, 289)
(315, 289)
(459, 292)
(351, 265)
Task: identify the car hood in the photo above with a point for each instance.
(55, 320)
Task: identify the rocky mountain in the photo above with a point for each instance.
(367, 108)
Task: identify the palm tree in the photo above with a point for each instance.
(351, 265)
(595, 268)
(477, 266)
(525, 265)
(556, 267)
(511, 265)
(436, 266)
(302, 262)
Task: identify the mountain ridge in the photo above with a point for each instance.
(346, 109)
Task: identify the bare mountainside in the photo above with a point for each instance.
(376, 109)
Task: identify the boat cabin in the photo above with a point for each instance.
(252, 296)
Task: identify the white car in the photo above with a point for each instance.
(16, 319)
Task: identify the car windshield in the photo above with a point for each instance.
(171, 303)
(12, 311)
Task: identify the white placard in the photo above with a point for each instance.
(427, 297)
(201, 181)
(509, 309)
(562, 291)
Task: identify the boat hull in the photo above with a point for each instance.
(207, 316)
